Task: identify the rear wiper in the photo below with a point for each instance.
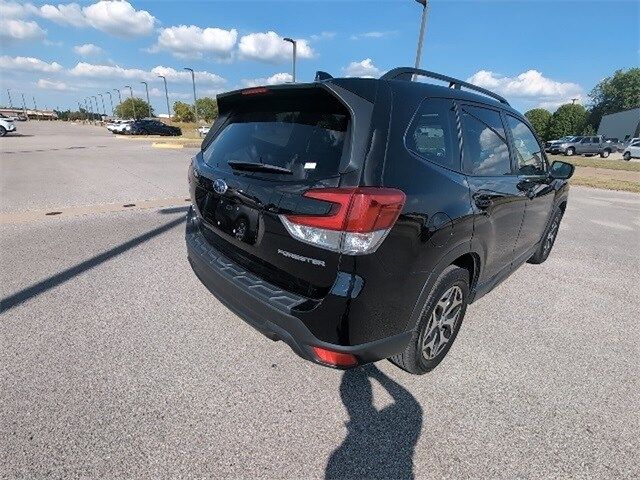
(258, 167)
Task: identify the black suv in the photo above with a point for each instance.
(356, 219)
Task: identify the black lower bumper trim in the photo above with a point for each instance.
(272, 319)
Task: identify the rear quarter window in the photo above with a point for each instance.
(433, 133)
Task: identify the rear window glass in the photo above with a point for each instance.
(308, 143)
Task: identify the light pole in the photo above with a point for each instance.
(35, 107)
(24, 107)
(10, 102)
(146, 87)
(132, 102)
(195, 100)
(423, 26)
(294, 43)
(110, 101)
(166, 94)
(119, 96)
(87, 101)
(102, 100)
(95, 99)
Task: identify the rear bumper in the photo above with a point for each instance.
(266, 307)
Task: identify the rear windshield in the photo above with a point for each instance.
(308, 143)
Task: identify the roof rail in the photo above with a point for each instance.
(407, 73)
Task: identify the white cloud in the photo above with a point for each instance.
(53, 85)
(117, 18)
(88, 50)
(28, 64)
(88, 70)
(323, 36)
(10, 9)
(190, 41)
(374, 34)
(64, 14)
(365, 69)
(12, 29)
(529, 85)
(269, 47)
(272, 80)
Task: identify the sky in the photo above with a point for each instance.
(535, 53)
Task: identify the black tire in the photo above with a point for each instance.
(547, 241)
(627, 156)
(412, 359)
(570, 151)
(3, 131)
(605, 153)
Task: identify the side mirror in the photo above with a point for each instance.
(561, 170)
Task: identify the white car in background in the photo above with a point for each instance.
(119, 126)
(632, 151)
(203, 130)
(6, 126)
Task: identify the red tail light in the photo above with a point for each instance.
(336, 359)
(358, 222)
(255, 91)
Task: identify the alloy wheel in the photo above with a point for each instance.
(442, 322)
(551, 235)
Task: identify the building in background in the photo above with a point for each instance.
(621, 125)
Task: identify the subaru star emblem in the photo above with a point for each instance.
(219, 186)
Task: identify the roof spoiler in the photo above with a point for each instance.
(407, 73)
(321, 76)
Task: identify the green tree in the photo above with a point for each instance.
(207, 108)
(619, 92)
(569, 119)
(183, 112)
(539, 119)
(136, 108)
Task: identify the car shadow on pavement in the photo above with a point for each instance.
(379, 443)
(53, 281)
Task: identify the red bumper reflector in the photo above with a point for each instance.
(336, 359)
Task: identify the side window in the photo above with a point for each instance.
(585, 140)
(433, 133)
(528, 153)
(485, 145)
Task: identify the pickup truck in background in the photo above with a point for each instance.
(598, 145)
(565, 145)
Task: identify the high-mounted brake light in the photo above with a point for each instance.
(336, 359)
(255, 91)
(357, 223)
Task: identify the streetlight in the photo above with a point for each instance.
(294, 43)
(24, 107)
(423, 25)
(10, 102)
(132, 102)
(89, 108)
(102, 100)
(195, 101)
(35, 106)
(166, 93)
(110, 101)
(119, 96)
(146, 87)
(95, 99)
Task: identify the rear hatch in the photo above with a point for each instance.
(268, 147)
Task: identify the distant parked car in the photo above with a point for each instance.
(598, 145)
(565, 145)
(203, 130)
(120, 127)
(548, 145)
(8, 118)
(632, 151)
(6, 126)
(151, 127)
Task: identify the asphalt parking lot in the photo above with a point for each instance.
(116, 362)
